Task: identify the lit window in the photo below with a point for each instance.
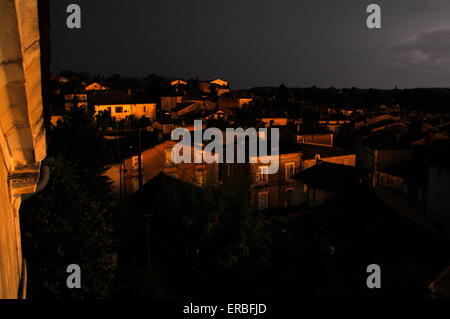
(262, 174)
(289, 170)
(118, 109)
(135, 162)
(168, 157)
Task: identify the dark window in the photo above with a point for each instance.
(289, 199)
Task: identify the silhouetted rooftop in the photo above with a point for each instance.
(330, 176)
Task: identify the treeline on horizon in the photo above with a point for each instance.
(429, 100)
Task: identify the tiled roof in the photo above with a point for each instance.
(310, 150)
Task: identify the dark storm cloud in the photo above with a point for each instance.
(424, 5)
(424, 59)
(430, 50)
(258, 42)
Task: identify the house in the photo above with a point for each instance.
(220, 90)
(121, 111)
(191, 107)
(185, 108)
(382, 150)
(406, 184)
(279, 190)
(158, 159)
(388, 178)
(275, 121)
(178, 83)
(244, 101)
(218, 86)
(324, 180)
(381, 125)
(314, 135)
(227, 101)
(431, 134)
(334, 125)
(409, 178)
(205, 86)
(170, 102)
(373, 119)
(95, 86)
(167, 125)
(273, 191)
(266, 190)
(55, 119)
(311, 153)
(234, 100)
(357, 228)
(71, 100)
(217, 115)
(178, 86)
(220, 82)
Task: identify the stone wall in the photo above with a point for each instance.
(10, 246)
(22, 133)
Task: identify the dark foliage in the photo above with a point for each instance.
(72, 220)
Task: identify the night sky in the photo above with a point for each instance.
(259, 42)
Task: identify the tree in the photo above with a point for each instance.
(225, 227)
(79, 140)
(283, 95)
(72, 220)
(67, 224)
(104, 119)
(202, 238)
